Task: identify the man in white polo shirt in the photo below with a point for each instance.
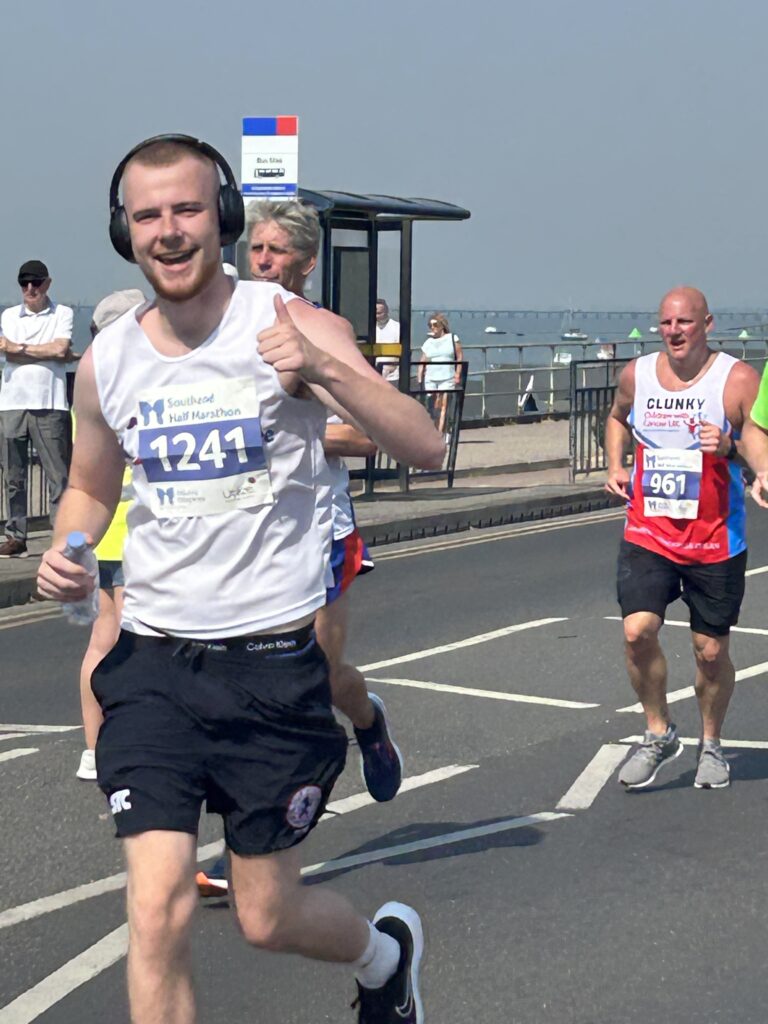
(35, 341)
(387, 331)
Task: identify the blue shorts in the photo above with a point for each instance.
(111, 575)
(349, 558)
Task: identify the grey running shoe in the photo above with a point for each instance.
(713, 772)
(655, 750)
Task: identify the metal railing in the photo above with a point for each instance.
(382, 467)
(593, 386)
(37, 488)
(500, 392)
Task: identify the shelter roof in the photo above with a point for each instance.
(350, 206)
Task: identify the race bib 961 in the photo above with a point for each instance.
(671, 482)
(201, 448)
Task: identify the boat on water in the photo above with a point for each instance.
(574, 334)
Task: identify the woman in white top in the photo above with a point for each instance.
(440, 366)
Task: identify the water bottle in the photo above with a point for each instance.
(82, 613)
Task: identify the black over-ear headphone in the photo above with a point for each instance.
(231, 207)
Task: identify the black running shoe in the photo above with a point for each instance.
(398, 1001)
(382, 762)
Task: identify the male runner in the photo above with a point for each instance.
(684, 533)
(216, 689)
(283, 243)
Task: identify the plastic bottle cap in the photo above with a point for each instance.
(76, 539)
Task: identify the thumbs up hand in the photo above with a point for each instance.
(284, 346)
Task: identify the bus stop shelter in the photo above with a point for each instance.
(352, 228)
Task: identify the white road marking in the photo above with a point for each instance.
(693, 741)
(687, 625)
(448, 839)
(585, 789)
(107, 951)
(10, 755)
(59, 900)
(689, 691)
(11, 735)
(756, 571)
(29, 729)
(76, 972)
(470, 538)
(468, 691)
(479, 638)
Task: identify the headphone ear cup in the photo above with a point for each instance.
(231, 214)
(120, 235)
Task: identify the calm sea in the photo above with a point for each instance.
(493, 338)
(532, 337)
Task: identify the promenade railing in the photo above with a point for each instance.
(501, 388)
(593, 386)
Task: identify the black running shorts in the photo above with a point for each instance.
(244, 725)
(647, 582)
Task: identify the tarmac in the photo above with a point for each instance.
(504, 474)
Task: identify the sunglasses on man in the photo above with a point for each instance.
(34, 282)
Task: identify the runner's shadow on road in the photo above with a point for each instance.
(525, 836)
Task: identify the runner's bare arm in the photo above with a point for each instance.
(89, 502)
(57, 350)
(309, 342)
(342, 439)
(754, 450)
(617, 433)
(739, 396)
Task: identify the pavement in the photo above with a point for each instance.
(504, 474)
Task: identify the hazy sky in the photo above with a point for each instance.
(607, 149)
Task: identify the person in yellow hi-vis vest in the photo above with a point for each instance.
(109, 552)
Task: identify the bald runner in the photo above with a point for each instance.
(683, 410)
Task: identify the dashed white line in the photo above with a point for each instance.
(469, 691)
(479, 638)
(585, 789)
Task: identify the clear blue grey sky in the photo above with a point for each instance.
(607, 149)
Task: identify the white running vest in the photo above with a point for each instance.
(227, 534)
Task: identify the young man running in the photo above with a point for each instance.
(684, 534)
(283, 243)
(216, 689)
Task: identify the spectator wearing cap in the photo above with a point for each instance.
(36, 338)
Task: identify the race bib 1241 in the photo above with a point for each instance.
(201, 448)
(671, 482)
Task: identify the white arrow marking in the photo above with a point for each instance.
(468, 691)
(688, 691)
(585, 789)
(9, 755)
(480, 638)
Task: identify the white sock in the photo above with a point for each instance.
(379, 961)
